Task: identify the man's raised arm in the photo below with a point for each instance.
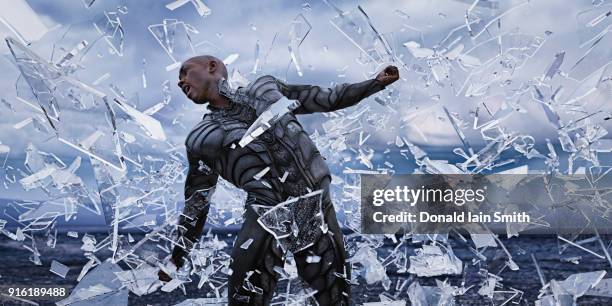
(315, 99)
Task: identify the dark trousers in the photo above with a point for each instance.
(330, 276)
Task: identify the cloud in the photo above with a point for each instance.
(324, 52)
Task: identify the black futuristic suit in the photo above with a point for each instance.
(213, 150)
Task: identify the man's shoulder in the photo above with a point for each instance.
(265, 81)
(265, 88)
(206, 137)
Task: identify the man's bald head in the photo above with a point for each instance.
(206, 60)
(199, 78)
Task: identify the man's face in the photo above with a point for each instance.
(195, 81)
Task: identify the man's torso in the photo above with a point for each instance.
(281, 162)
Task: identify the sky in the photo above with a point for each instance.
(236, 26)
(327, 57)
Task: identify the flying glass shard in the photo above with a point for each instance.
(80, 115)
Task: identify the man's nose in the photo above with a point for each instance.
(180, 83)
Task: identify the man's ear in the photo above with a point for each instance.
(212, 67)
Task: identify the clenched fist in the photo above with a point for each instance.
(389, 75)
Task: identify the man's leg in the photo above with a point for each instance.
(330, 276)
(253, 278)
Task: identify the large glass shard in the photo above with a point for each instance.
(98, 287)
(59, 268)
(594, 23)
(554, 66)
(111, 30)
(594, 92)
(427, 295)
(133, 198)
(299, 29)
(200, 7)
(295, 223)
(597, 56)
(256, 64)
(62, 182)
(496, 59)
(358, 28)
(150, 125)
(417, 51)
(575, 286)
(479, 18)
(372, 269)
(458, 130)
(486, 157)
(79, 114)
(37, 179)
(481, 240)
(475, 65)
(432, 260)
(34, 160)
(517, 47)
(267, 118)
(63, 178)
(402, 43)
(603, 288)
(176, 4)
(20, 21)
(174, 36)
(142, 280)
(47, 209)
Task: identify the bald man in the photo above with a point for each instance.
(291, 166)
